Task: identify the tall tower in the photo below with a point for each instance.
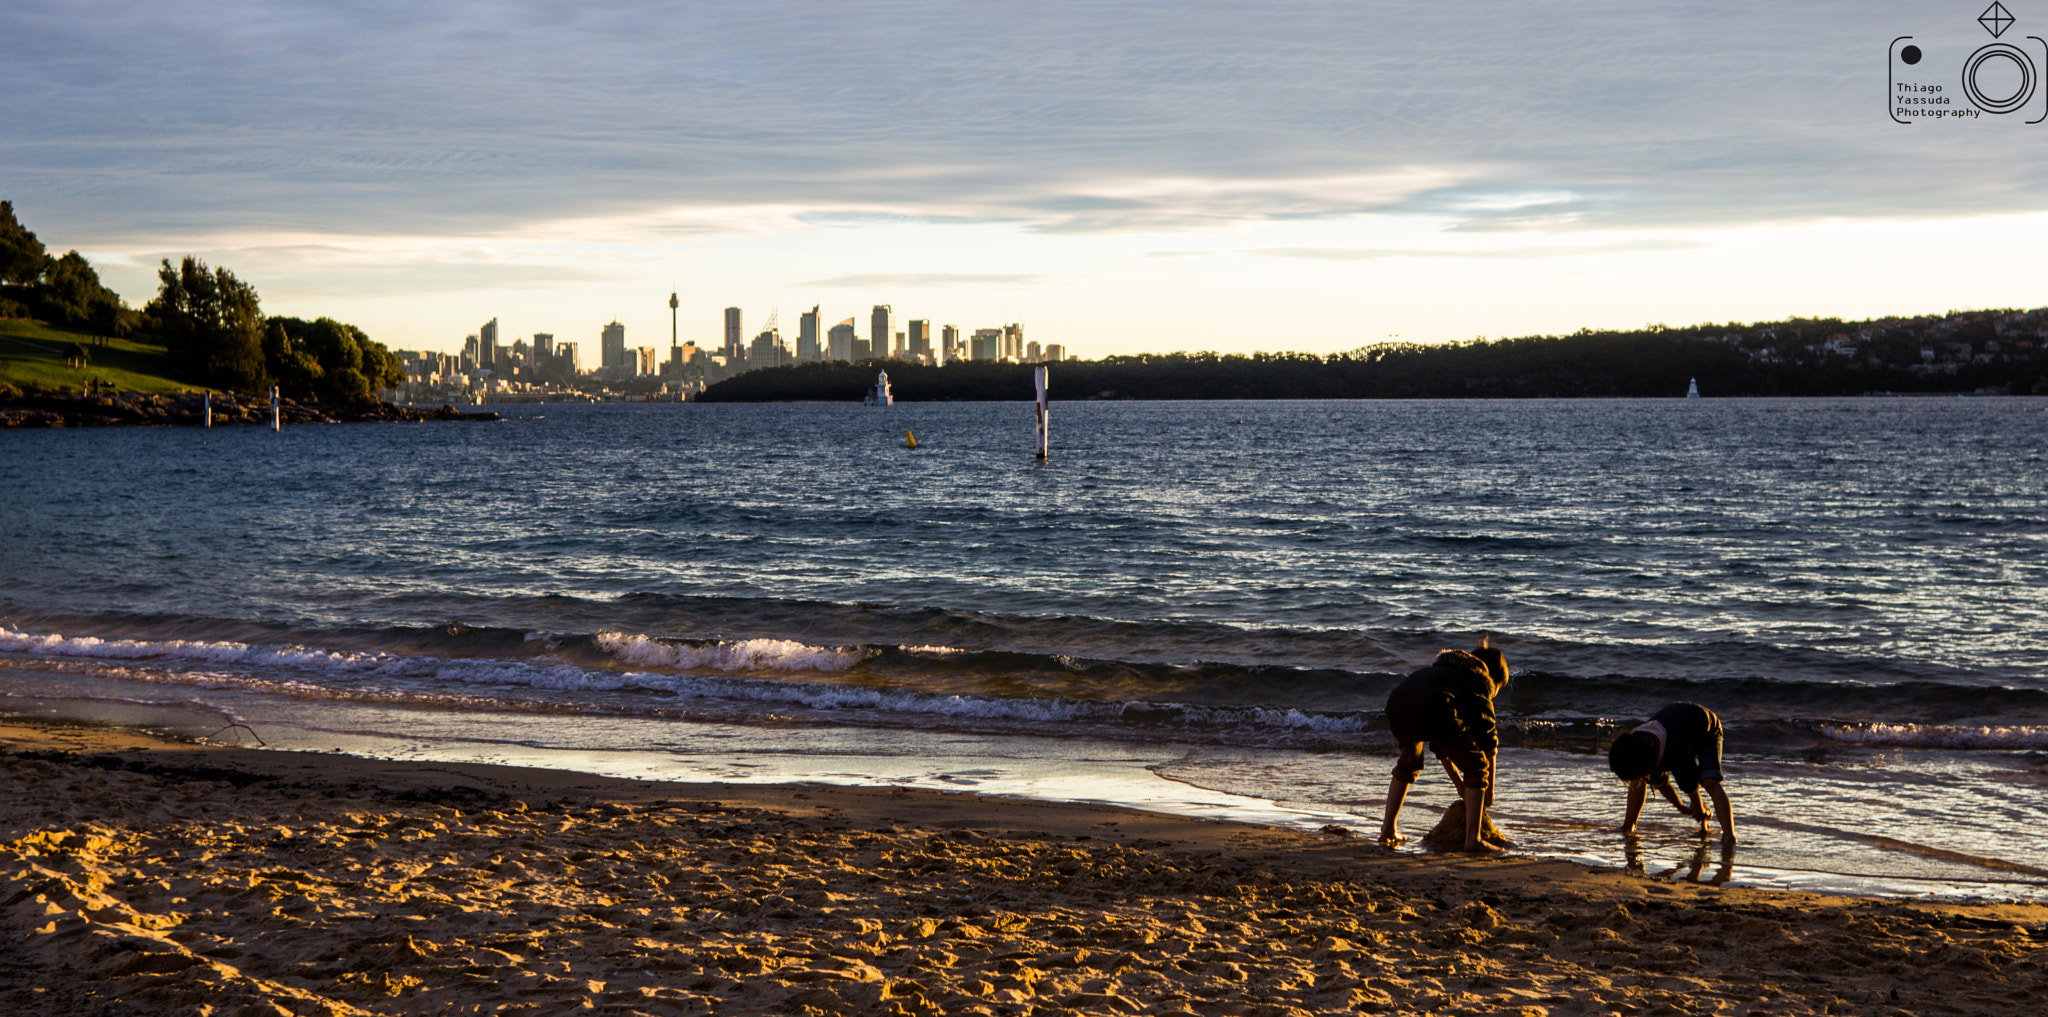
(675, 347)
(487, 345)
(920, 337)
(735, 343)
(881, 328)
(807, 336)
(612, 341)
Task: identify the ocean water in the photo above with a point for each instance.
(1195, 607)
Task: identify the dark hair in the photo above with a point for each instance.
(1496, 666)
(1633, 756)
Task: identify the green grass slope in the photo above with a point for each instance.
(32, 353)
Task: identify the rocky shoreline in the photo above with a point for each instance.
(142, 409)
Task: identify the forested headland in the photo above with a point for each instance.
(62, 332)
(1987, 352)
(203, 330)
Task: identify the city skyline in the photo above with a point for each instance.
(1139, 177)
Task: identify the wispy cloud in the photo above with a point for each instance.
(1066, 116)
(927, 280)
(1526, 252)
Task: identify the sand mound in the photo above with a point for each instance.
(1449, 832)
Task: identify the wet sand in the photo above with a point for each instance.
(145, 877)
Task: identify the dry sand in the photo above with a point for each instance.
(149, 878)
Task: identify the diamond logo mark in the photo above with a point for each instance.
(1995, 19)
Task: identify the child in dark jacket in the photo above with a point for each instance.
(1682, 743)
(1449, 706)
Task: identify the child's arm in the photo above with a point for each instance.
(1637, 791)
(1671, 795)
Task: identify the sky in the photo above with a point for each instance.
(1118, 177)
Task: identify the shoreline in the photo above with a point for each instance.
(144, 875)
(188, 409)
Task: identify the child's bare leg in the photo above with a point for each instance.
(1405, 771)
(1723, 812)
(1475, 821)
(1397, 792)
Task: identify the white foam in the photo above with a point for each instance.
(740, 655)
(56, 645)
(1939, 736)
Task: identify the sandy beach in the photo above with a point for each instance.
(147, 877)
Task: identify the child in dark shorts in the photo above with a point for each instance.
(1682, 743)
(1449, 707)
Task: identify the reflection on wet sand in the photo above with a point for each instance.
(1695, 867)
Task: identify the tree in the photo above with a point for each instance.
(21, 254)
(71, 294)
(211, 323)
(76, 355)
(328, 360)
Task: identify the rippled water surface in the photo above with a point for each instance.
(1855, 585)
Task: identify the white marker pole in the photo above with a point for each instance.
(276, 420)
(1044, 425)
(209, 409)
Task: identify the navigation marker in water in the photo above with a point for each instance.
(909, 439)
(276, 421)
(208, 397)
(1044, 441)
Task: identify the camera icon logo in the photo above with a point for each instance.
(1958, 76)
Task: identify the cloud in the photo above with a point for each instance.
(877, 280)
(174, 117)
(1526, 252)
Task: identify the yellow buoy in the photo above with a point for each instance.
(910, 438)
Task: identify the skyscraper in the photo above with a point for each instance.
(949, 343)
(487, 345)
(1013, 342)
(768, 350)
(839, 341)
(612, 344)
(735, 343)
(986, 345)
(881, 326)
(807, 336)
(920, 336)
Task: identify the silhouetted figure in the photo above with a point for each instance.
(1682, 743)
(1449, 706)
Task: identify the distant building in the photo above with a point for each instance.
(807, 348)
(949, 344)
(566, 359)
(987, 344)
(839, 341)
(680, 357)
(487, 345)
(768, 350)
(1031, 354)
(472, 354)
(900, 348)
(644, 362)
(543, 345)
(613, 347)
(1054, 353)
(1013, 342)
(881, 325)
(735, 340)
(920, 336)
